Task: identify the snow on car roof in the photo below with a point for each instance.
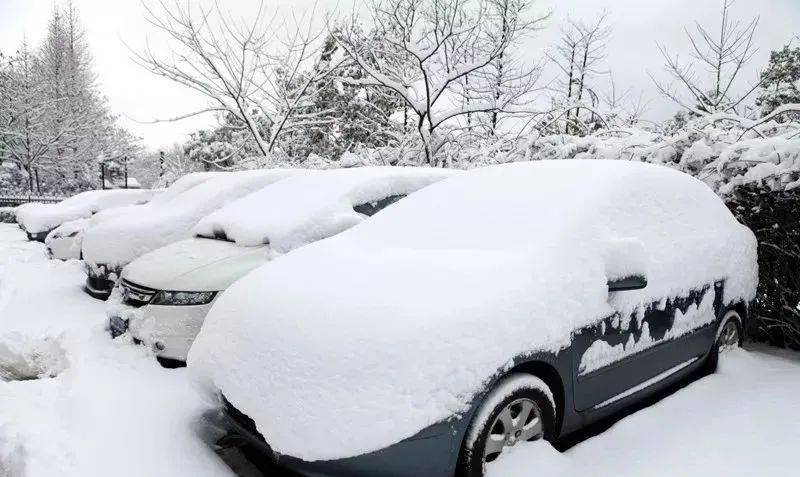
(183, 184)
(118, 240)
(419, 307)
(41, 217)
(304, 209)
(162, 197)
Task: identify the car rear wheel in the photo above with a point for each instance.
(519, 409)
(729, 336)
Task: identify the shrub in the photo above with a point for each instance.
(773, 217)
(7, 215)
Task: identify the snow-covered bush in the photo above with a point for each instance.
(7, 215)
(773, 217)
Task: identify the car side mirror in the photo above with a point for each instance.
(626, 264)
(628, 283)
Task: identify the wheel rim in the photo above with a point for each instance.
(728, 337)
(519, 421)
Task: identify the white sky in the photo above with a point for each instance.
(135, 94)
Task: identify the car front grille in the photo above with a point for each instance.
(100, 284)
(136, 295)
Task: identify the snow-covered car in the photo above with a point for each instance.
(113, 243)
(64, 242)
(508, 304)
(37, 220)
(164, 295)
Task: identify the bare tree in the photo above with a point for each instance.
(578, 56)
(256, 71)
(431, 53)
(720, 57)
(622, 107)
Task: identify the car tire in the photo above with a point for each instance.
(729, 335)
(499, 422)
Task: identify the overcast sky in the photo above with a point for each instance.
(638, 26)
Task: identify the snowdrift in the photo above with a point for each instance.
(397, 323)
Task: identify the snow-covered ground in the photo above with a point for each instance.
(110, 409)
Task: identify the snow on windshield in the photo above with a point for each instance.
(418, 307)
(304, 209)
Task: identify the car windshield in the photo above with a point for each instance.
(371, 208)
(217, 234)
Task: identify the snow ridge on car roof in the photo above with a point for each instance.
(119, 240)
(300, 210)
(41, 217)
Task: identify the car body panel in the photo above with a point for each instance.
(196, 264)
(64, 247)
(636, 347)
(169, 330)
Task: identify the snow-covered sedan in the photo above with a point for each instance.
(37, 220)
(164, 295)
(508, 304)
(113, 243)
(64, 242)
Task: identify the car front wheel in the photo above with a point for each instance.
(519, 409)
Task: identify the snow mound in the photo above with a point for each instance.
(113, 411)
(304, 209)
(35, 218)
(12, 455)
(23, 358)
(118, 240)
(411, 312)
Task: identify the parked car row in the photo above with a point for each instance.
(420, 322)
(38, 220)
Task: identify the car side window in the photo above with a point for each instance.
(371, 208)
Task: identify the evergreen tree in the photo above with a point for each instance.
(347, 114)
(780, 81)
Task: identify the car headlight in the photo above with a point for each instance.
(183, 298)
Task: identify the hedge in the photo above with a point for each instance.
(774, 217)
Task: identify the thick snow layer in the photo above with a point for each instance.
(110, 409)
(413, 310)
(37, 218)
(308, 208)
(733, 423)
(66, 240)
(120, 239)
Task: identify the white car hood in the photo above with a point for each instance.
(196, 264)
